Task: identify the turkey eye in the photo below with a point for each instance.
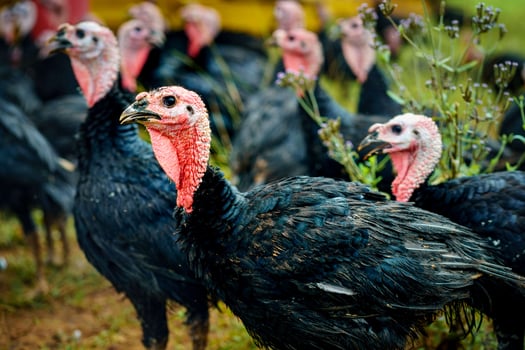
(291, 37)
(169, 101)
(396, 129)
(80, 33)
(137, 29)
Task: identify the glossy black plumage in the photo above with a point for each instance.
(32, 176)
(278, 138)
(58, 119)
(124, 203)
(353, 128)
(124, 222)
(269, 143)
(315, 263)
(493, 206)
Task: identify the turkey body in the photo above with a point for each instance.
(320, 263)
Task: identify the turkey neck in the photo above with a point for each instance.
(102, 131)
(208, 230)
(216, 206)
(97, 75)
(98, 78)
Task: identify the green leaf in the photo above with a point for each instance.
(467, 66)
(395, 97)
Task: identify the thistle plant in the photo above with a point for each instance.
(447, 87)
(339, 149)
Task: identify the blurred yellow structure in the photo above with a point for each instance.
(249, 16)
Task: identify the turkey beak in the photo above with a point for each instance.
(372, 145)
(270, 42)
(157, 38)
(137, 112)
(275, 39)
(59, 42)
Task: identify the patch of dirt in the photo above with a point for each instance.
(57, 323)
(83, 311)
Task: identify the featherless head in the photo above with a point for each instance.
(414, 144)
(202, 25)
(85, 41)
(354, 31)
(177, 121)
(17, 21)
(150, 14)
(407, 131)
(168, 106)
(302, 51)
(136, 40)
(289, 14)
(357, 44)
(94, 56)
(135, 34)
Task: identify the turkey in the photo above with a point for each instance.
(136, 41)
(54, 105)
(224, 67)
(16, 22)
(32, 176)
(289, 14)
(492, 205)
(264, 150)
(269, 143)
(124, 203)
(310, 262)
(354, 57)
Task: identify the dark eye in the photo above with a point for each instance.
(396, 129)
(80, 33)
(291, 37)
(169, 101)
(137, 29)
